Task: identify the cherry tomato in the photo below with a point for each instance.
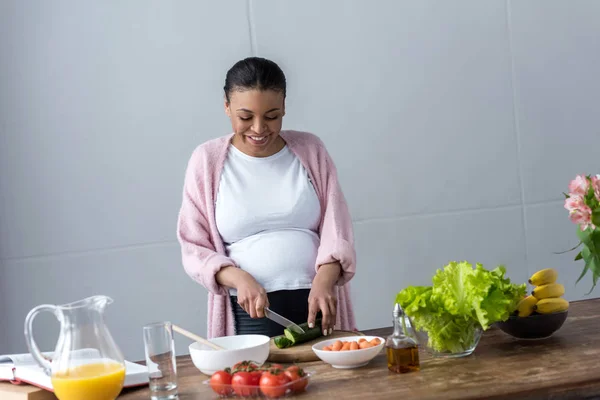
(220, 382)
(246, 383)
(256, 375)
(297, 377)
(271, 367)
(272, 383)
(294, 368)
(244, 366)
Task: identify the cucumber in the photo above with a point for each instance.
(282, 342)
(309, 333)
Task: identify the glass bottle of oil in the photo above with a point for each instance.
(402, 350)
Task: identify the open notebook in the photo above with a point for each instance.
(22, 368)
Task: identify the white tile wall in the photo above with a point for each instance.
(442, 118)
(396, 252)
(3, 308)
(146, 283)
(102, 106)
(556, 47)
(406, 95)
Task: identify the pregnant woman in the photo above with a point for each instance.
(264, 222)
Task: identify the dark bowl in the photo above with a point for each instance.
(535, 326)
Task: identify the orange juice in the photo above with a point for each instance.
(98, 381)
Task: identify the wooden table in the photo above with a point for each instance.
(567, 365)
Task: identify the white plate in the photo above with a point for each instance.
(350, 358)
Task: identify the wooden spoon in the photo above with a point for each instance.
(197, 338)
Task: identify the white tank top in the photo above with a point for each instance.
(268, 214)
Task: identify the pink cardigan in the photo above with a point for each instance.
(202, 249)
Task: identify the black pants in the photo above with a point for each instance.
(292, 304)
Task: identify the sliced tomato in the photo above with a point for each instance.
(220, 382)
(273, 383)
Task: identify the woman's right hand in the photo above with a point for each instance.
(251, 296)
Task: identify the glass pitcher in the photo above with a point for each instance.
(86, 364)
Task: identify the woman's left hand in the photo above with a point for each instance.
(323, 297)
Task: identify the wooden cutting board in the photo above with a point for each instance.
(8, 391)
(303, 352)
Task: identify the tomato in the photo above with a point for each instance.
(271, 367)
(297, 377)
(294, 368)
(272, 383)
(246, 383)
(220, 382)
(244, 366)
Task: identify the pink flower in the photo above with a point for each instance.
(582, 216)
(596, 186)
(579, 212)
(579, 185)
(574, 203)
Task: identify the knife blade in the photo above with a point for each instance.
(273, 316)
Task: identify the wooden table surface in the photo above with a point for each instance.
(567, 365)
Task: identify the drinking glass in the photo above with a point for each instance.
(160, 359)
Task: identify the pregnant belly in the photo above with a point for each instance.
(278, 259)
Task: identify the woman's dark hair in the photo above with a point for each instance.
(254, 73)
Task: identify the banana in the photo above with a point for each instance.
(525, 307)
(552, 305)
(544, 277)
(549, 290)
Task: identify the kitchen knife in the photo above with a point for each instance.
(273, 316)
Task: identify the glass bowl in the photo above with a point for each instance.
(465, 346)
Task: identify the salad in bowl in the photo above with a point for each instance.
(449, 317)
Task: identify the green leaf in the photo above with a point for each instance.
(595, 239)
(594, 266)
(593, 256)
(455, 291)
(585, 237)
(585, 254)
(585, 270)
(590, 193)
(566, 251)
(415, 299)
(596, 217)
(578, 257)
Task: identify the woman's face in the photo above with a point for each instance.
(256, 117)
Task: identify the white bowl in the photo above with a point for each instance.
(350, 358)
(237, 348)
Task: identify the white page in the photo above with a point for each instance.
(27, 369)
(20, 359)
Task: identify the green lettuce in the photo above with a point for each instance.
(461, 300)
